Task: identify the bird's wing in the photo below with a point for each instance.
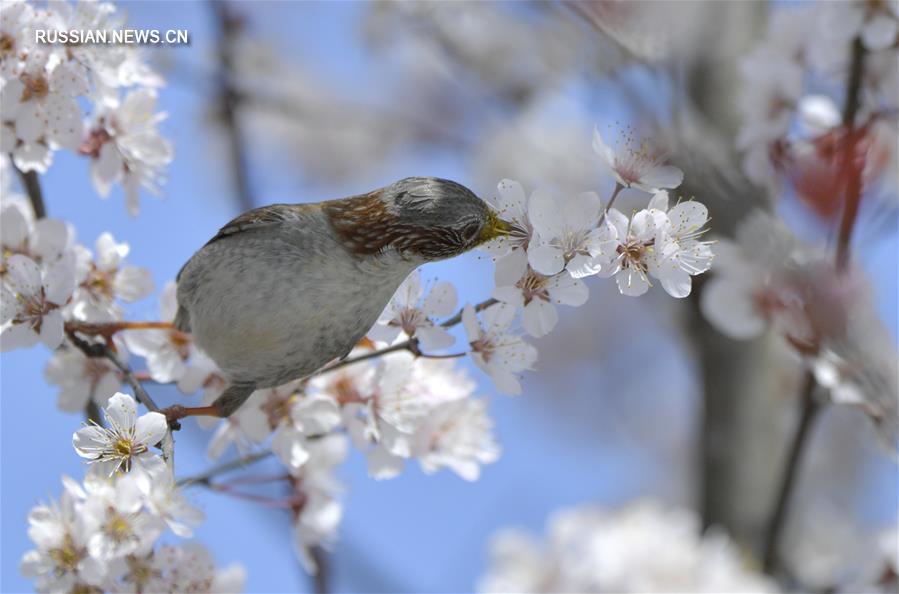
(259, 218)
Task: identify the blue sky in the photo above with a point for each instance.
(414, 533)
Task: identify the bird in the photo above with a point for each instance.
(284, 289)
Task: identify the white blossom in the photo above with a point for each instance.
(634, 251)
(680, 252)
(103, 279)
(81, 379)
(118, 523)
(642, 547)
(60, 562)
(189, 569)
(520, 286)
(637, 166)
(511, 204)
(456, 434)
(164, 499)
(308, 415)
(500, 353)
(166, 350)
(125, 147)
(319, 516)
(410, 313)
(31, 302)
(566, 234)
(124, 443)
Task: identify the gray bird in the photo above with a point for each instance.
(282, 290)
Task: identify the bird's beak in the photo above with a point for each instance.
(495, 227)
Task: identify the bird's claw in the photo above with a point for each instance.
(173, 415)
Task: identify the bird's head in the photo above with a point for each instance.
(423, 217)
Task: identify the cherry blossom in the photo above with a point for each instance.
(39, 105)
(165, 500)
(124, 444)
(125, 147)
(188, 568)
(44, 241)
(511, 204)
(30, 310)
(501, 354)
(637, 167)
(102, 280)
(319, 515)
(117, 521)
(456, 434)
(590, 549)
(166, 351)
(520, 286)
(681, 253)
(566, 232)
(309, 415)
(61, 562)
(634, 252)
(81, 379)
(413, 315)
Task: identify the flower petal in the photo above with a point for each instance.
(546, 259)
(539, 318)
(150, 428)
(545, 215)
(441, 301)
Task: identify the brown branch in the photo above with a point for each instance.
(852, 168)
(107, 329)
(410, 345)
(809, 412)
(229, 26)
(809, 407)
(100, 350)
(32, 185)
(204, 478)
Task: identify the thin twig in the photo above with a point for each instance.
(809, 407)
(410, 345)
(96, 350)
(615, 192)
(809, 412)
(204, 478)
(92, 413)
(32, 185)
(107, 329)
(852, 169)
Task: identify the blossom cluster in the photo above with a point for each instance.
(104, 534)
(49, 280)
(768, 279)
(642, 547)
(42, 87)
(792, 81)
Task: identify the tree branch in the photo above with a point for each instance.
(852, 168)
(228, 26)
(32, 185)
(410, 345)
(96, 350)
(242, 462)
(809, 412)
